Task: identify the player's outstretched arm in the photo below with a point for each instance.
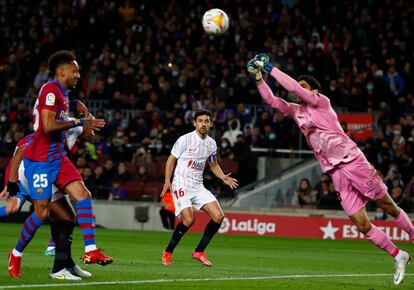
(216, 169)
(169, 168)
(253, 67)
(286, 81)
(50, 124)
(12, 172)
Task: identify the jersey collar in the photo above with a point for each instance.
(198, 136)
(65, 90)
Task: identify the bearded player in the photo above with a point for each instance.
(191, 151)
(45, 159)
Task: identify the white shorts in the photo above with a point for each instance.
(190, 197)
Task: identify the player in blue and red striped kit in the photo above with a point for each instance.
(45, 159)
(61, 208)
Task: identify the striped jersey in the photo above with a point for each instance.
(192, 153)
(21, 144)
(48, 147)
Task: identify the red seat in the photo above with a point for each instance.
(131, 168)
(229, 165)
(133, 189)
(153, 189)
(153, 173)
(160, 162)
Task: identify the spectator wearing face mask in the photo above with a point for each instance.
(141, 157)
(226, 151)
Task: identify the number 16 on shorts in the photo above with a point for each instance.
(179, 193)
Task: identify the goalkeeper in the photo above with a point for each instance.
(355, 180)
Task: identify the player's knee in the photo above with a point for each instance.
(11, 208)
(83, 194)
(42, 213)
(188, 221)
(218, 219)
(364, 227)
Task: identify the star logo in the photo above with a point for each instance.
(218, 20)
(329, 231)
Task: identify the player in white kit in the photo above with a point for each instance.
(191, 152)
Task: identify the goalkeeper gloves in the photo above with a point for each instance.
(252, 67)
(13, 188)
(262, 58)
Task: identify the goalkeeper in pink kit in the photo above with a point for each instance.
(355, 180)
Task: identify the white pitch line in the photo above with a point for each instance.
(76, 284)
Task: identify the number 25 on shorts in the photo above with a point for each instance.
(40, 180)
(179, 193)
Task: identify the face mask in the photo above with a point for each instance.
(370, 87)
(272, 136)
(124, 126)
(3, 119)
(224, 145)
(310, 69)
(332, 88)
(223, 85)
(397, 133)
(175, 73)
(158, 146)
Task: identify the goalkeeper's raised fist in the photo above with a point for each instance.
(253, 67)
(264, 59)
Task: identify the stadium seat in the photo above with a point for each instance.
(133, 189)
(152, 189)
(152, 170)
(229, 165)
(131, 168)
(160, 162)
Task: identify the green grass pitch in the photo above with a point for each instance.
(239, 262)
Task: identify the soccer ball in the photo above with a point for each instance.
(215, 21)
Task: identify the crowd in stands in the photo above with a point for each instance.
(151, 58)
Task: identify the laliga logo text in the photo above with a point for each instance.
(250, 225)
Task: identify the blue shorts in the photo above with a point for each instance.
(40, 177)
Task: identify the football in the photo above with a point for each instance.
(215, 21)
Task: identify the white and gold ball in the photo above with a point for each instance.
(215, 21)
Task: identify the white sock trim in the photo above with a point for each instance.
(16, 253)
(89, 248)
